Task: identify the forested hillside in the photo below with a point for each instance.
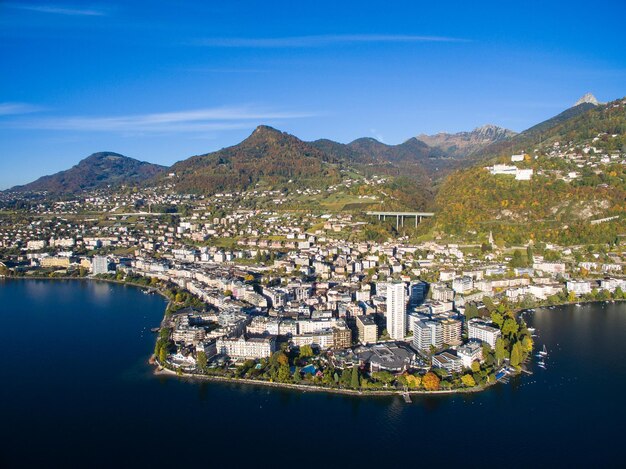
(578, 180)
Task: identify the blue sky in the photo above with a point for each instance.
(164, 80)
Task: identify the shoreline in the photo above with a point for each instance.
(162, 371)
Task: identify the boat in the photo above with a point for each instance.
(531, 329)
(541, 365)
(543, 352)
(577, 304)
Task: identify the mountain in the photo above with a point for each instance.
(587, 98)
(461, 144)
(578, 161)
(268, 156)
(538, 132)
(412, 158)
(97, 170)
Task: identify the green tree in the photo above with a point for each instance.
(283, 373)
(517, 260)
(500, 352)
(471, 311)
(497, 319)
(162, 355)
(510, 327)
(346, 377)
(516, 354)
(306, 351)
(297, 378)
(384, 377)
(488, 302)
(530, 254)
(475, 366)
(201, 361)
(279, 358)
(354, 378)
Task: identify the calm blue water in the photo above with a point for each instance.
(76, 391)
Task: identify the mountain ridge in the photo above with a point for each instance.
(95, 171)
(462, 144)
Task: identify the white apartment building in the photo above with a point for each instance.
(469, 353)
(481, 331)
(579, 287)
(426, 334)
(242, 348)
(100, 265)
(396, 310)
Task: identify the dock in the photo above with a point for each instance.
(407, 397)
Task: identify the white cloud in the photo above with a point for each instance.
(8, 109)
(57, 9)
(196, 120)
(319, 40)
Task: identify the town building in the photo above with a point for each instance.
(470, 352)
(451, 331)
(427, 334)
(100, 265)
(447, 361)
(479, 330)
(579, 288)
(368, 329)
(396, 310)
(243, 348)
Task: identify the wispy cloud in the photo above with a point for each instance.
(57, 9)
(319, 40)
(196, 120)
(8, 109)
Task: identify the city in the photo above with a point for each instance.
(396, 230)
(250, 287)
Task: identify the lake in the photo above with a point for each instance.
(77, 391)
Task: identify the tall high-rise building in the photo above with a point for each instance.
(396, 310)
(100, 265)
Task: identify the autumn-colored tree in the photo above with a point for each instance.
(527, 343)
(468, 381)
(516, 354)
(306, 351)
(279, 358)
(430, 381)
(475, 366)
(413, 381)
(283, 373)
(510, 327)
(500, 352)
